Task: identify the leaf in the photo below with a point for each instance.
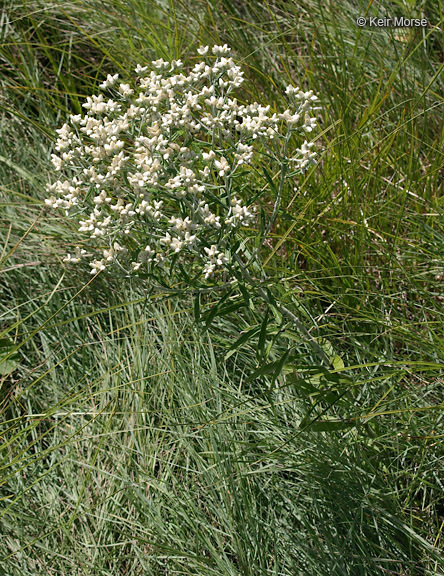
(218, 310)
(274, 368)
(241, 340)
(305, 388)
(245, 294)
(9, 360)
(262, 337)
(8, 365)
(337, 362)
(270, 181)
(323, 386)
(327, 425)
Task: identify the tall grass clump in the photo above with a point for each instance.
(287, 423)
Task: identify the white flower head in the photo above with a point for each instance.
(220, 50)
(164, 169)
(125, 90)
(109, 82)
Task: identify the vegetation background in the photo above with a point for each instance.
(136, 440)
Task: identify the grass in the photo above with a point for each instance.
(137, 442)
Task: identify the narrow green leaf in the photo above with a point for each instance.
(327, 425)
(241, 340)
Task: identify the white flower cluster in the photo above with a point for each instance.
(157, 168)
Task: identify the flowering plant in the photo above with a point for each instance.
(163, 170)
